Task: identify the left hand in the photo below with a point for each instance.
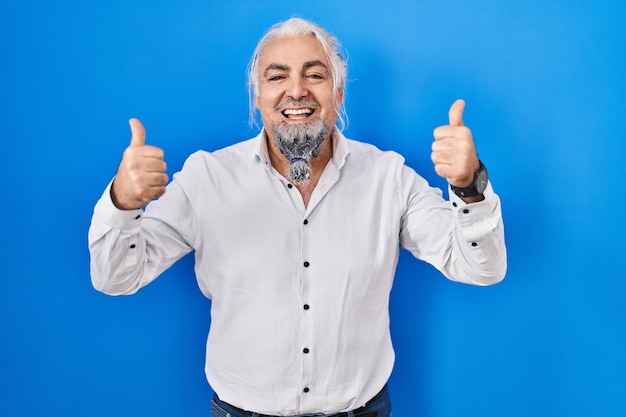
(453, 151)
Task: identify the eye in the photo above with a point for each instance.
(315, 76)
(275, 78)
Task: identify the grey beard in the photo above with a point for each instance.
(299, 143)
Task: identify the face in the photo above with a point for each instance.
(295, 85)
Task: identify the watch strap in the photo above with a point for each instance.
(477, 187)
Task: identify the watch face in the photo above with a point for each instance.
(481, 179)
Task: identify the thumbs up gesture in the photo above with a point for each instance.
(141, 175)
(453, 151)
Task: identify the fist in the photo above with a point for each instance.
(453, 151)
(141, 175)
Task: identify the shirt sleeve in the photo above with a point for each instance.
(463, 241)
(129, 249)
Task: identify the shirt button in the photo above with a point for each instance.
(306, 264)
(306, 307)
(137, 217)
(474, 244)
(133, 246)
(306, 221)
(305, 350)
(289, 186)
(454, 204)
(465, 211)
(306, 389)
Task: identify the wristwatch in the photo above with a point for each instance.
(477, 187)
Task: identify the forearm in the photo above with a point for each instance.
(129, 249)
(477, 248)
(115, 248)
(463, 241)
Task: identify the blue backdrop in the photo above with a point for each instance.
(545, 89)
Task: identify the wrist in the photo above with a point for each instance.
(115, 200)
(476, 188)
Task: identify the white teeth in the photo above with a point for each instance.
(298, 111)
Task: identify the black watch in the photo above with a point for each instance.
(477, 187)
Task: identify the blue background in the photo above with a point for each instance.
(545, 86)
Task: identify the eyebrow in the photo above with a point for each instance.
(282, 67)
(275, 67)
(316, 63)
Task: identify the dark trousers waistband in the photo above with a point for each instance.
(358, 412)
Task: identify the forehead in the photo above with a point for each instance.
(292, 51)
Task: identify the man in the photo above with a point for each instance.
(296, 236)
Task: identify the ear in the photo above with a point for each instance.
(340, 97)
(256, 101)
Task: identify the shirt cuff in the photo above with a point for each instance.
(478, 209)
(114, 217)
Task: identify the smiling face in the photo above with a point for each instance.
(295, 85)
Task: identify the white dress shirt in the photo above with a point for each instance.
(299, 311)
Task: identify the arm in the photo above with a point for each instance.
(129, 249)
(464, 238)
(463, 241)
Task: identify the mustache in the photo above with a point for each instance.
(297, 103)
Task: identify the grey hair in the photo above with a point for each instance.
(295, 27)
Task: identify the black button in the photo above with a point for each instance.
(306, 264)
(133, 246)
(289, 186)
(306, 221)
(465, 211)
(137, 216)
(305, 350)
(474, 244)
(306, 307)
(306, 389)
(454, 204)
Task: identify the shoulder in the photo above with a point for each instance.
(230, 154)
(366, 159)
(209, 167)
(366, 153)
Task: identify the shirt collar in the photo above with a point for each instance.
(260, 149)
(341, 148)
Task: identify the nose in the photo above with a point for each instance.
(296, 88)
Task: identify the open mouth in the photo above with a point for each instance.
(298, 114)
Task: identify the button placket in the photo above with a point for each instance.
(306, 327)
(307, 313)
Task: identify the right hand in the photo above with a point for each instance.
(141, 175)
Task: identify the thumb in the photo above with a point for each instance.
(138, 133)
(456, 113)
